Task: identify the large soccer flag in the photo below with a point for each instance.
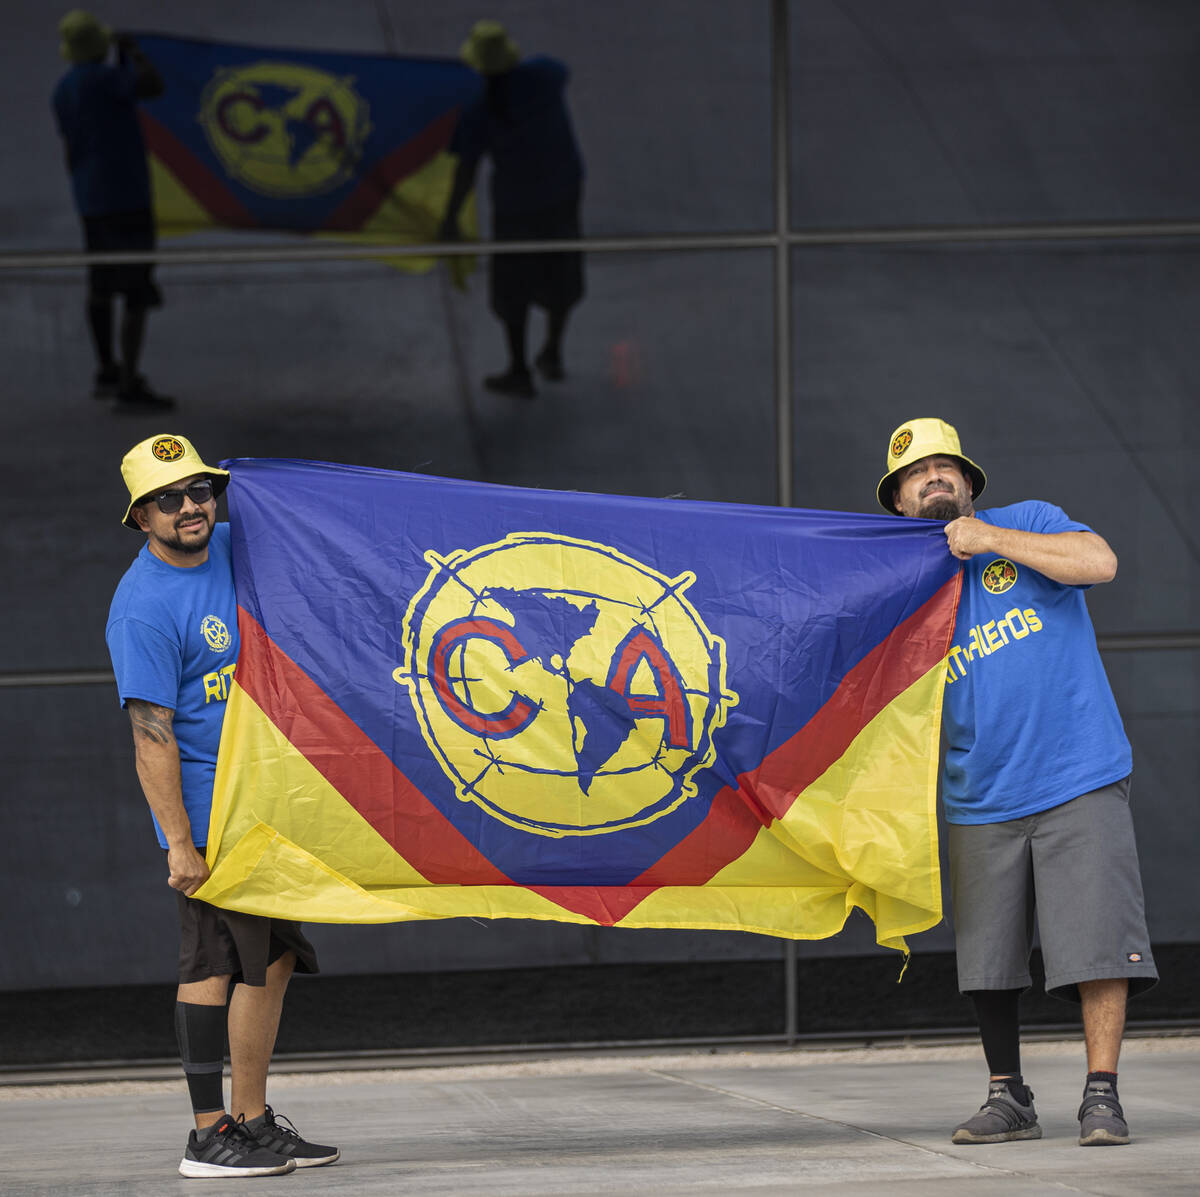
(460, 699)
(254, 137)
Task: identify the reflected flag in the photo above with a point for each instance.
(256, 137)
(456, 699)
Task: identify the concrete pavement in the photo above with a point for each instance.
(769, 1122)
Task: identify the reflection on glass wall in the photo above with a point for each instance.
(256, 119)
(666, 390)
(972, 113)
(1159, 697)
(1069, 371)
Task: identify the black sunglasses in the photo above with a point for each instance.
(171, 501)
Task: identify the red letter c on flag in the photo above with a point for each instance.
(230, 124)
(497, 725)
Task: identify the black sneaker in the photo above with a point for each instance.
(1101, 1119)
(106, 383)
(136, 392)
(1001, 1119)
(227, 1150)
(518, 383)
(285, 1141)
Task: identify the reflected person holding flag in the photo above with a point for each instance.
(521, 122)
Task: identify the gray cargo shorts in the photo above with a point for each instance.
(1075, 869)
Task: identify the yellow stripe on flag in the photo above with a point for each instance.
(176, 210)
(863, 834)
(409, 215)
(278, 788)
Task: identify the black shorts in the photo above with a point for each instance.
(550, 281)
(112, 233)
(226, 943)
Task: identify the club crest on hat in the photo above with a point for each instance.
(901, 441)
(167, 448)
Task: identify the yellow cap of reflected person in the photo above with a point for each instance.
(489, 50)
(82, 37)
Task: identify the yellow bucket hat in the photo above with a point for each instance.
(157, 462)
(915, 439)
(83, 38)
(489, 50)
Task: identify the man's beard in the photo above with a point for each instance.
(195, 545)
(941, 507)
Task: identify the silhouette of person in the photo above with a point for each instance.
(95, 106)
(520, 121)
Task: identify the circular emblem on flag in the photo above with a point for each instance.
(999, 576)
(901, 441)
(562, 686)
(167, 448)
(215, 633)
(283, 129)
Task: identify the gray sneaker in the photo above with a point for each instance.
(1101, 1119)
(1001, 1119)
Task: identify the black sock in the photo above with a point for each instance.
(1016, 1086)
(200, 1031)
(1105, 1078)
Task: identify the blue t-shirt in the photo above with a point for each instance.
(1030, 718)
(173, 638)
(95, 104)
(536, 162)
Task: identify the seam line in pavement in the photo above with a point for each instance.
(771, 1105)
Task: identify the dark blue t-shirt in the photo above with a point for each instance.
(173, 637)
(536, 162)
(95, 105)
(1029, 715)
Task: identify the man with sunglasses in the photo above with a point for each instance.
(172, 635)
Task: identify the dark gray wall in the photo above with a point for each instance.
(1071, 370)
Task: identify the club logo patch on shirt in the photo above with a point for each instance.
(215, 633)
(999, 576)
(167, 448)
(901, 441)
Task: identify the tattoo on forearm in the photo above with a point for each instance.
(150, 721)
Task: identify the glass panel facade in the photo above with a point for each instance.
(1071, 367)
(1069, 371)
(927, 113)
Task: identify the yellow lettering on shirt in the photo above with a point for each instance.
(216, 684)
(990, 638)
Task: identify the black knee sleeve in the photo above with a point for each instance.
(998, 1012)
(201, 1034)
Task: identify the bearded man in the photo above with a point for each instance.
(1036, 781)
